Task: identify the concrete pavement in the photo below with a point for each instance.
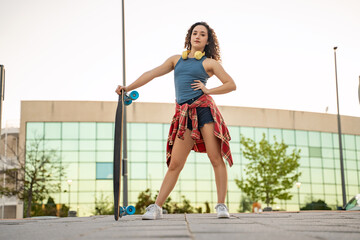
(269, 225)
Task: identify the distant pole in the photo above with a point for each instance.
(2, 89)
(340, 139)
(298, 184)
(69, 182)
(124, 167)
(359, 89)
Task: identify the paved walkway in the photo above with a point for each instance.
(272, 225)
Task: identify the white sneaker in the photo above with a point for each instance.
(153, 212)
(222, 211)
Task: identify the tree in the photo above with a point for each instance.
(245, 204)
(270, 172)
(103, 206)
(35, 178)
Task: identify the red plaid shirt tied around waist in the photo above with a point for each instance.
(179, 125)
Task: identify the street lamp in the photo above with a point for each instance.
(339, 133)
(298, 184)
(69, 182)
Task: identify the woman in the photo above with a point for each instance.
(197, 123)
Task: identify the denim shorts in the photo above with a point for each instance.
(203, 113)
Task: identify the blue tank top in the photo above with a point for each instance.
(185, 72)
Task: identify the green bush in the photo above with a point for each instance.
(145, 199)
(319, 205)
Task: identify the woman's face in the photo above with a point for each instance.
(199, 37)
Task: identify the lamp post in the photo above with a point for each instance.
(69, 182)
(359, 89)
(298, 184)
(340, 140)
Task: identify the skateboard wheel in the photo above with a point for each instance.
(128, 102)
(134, 95)
(121, 211)
(130, 210)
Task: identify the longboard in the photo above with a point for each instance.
(118, 142)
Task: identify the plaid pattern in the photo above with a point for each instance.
(179, 125)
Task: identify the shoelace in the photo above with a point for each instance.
(221, 206)
(150, 207)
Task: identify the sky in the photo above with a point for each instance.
(279, 53)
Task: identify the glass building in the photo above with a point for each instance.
(84, 143)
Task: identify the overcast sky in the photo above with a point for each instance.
(279, 52)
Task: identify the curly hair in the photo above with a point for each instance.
(212, 50)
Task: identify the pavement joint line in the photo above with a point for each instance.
(188, 228)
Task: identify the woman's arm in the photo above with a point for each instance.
(216, 68)
(146, 77)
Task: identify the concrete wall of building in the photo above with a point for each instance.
(91, 111)
(11, 207)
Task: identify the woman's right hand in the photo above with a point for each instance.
(119, 88)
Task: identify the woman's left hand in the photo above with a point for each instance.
(199, 85)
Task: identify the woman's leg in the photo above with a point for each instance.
(213, 149)
(179, 154)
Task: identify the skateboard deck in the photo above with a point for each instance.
(118, 148)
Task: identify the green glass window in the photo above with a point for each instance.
(314, 139)
(70, 130)
(87, 185)
(137, 131)
(88, 156)
(104, 185)
(316, 162)
(87, 145)
(234, 133)
(156, 170)
(248, 132)
(154, 145)
(329, 176)
(105, 131)
(158, 157)
(105, 145)
(104, 156)
(301, 138)
(327, 152)
(349, 142)
(34, 130)
(71, 171)
(52, 130)
(138, 145)
(137, 156)
(235, 147)
(154, 131)
(138, 171)
(69, 156)
(203, 171)
(315, 152)
(275, 133)
(259, 134)
(104, 170)
(52, 145)
(350, 154)
(87, 130)
(70, 145)
(188, 172)
(326, 140)
(289, 136)
(87, 171)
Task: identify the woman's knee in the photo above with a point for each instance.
(216, 161)
(175, 166)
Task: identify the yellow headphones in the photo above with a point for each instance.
(198, 54)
